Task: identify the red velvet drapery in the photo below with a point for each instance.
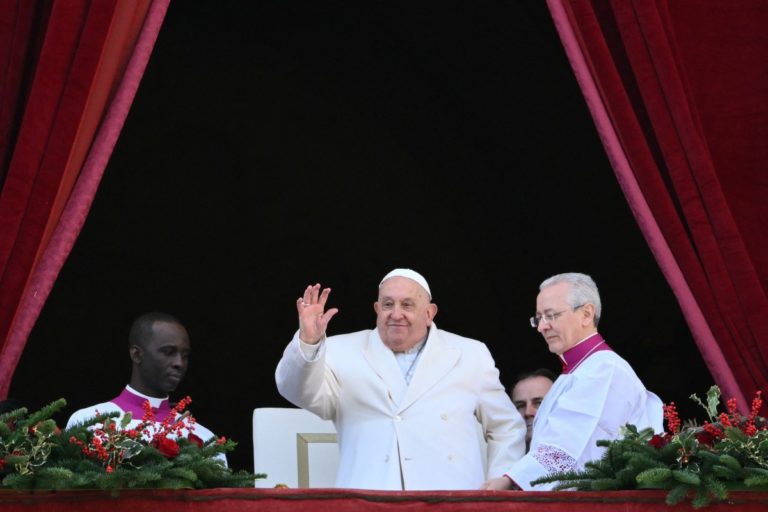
(678, 90)
(70, 70)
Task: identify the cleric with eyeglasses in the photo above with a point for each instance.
(596, 394)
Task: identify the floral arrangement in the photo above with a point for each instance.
(701, 462)
(106, 453)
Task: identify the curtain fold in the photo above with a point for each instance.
(678, 91)
(59, 131)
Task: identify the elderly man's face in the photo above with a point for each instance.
(569, 326)
(404, 313)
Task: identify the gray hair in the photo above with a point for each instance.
(583, 290)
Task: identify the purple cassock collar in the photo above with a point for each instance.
(574, 356)
(130, 401)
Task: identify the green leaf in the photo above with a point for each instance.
(713, 401)
(125, 420)
(736, 435)
(131, 447)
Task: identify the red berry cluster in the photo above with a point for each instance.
(107, 443)
(673, 420)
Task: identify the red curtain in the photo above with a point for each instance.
(69, 72)
(678, 90)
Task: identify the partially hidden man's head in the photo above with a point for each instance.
(404, 309)
(528, 393)
(567, 310)
(159, 348)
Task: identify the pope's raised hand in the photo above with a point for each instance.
(313, 318)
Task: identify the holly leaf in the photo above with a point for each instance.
(713, 401)
(126, 419)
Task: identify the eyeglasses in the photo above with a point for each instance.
(549, 317)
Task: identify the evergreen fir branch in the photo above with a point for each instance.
(628, 477)
(686, 476)
(174, 483)
(568, 476)
(46, 411)
(724, 472)
(756, 481)
(84, 426)
(756, 471)
(654, 476)
(18, 481)
(144, 479)
(715, 487)
(730, 462)
(13, 416)
(606, 484)
(85, 479)
(702, 498)
(644, 461)
(35, 457)
(598, 469)
(668, 453)
(708, 456)
(677, 494)
(641, 451)
(180, 472)
(575, 485)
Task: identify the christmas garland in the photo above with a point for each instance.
(103, 453)
(700, 462)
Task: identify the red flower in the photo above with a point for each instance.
(167, 447)
(658, 441)
(192, 438)
(705, 438)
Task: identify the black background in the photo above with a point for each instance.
(275, 144)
